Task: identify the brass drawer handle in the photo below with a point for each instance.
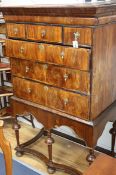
(27, 69)
(62, 55)
(46, 88)
(15, 31)
(22, 49)
(29, 90)
(76, 35)
(43, 33)
(45, 66)
(66, 101)
(65, 77)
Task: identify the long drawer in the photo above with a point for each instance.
(71, 103)
(54, 75)
(78, 58)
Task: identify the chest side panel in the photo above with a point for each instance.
(104, 70)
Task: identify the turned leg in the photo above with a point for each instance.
(16, 127)
(113, 133)
(49, 142)
(91, 156)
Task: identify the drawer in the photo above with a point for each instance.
(61, 55)
(68, 102)
(28, 69)
(22, 49)
(44, 33)
(15, 30)
(54, 75)
(28, 90)
(71, 103)
(68, 78)
(84, 35)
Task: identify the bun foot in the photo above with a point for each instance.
(19, 153)
(91, 156)
(51, 170)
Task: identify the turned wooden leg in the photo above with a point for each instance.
(113, 133)
(16, 127)
(49, 142)
(91, 156)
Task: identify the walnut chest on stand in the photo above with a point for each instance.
(63, 61)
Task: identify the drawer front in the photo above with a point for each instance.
(25, 50)
(30, 91)
(84, 35)
(71, 103)
(28, 69)
(44, 33)
(68, 78)
(68, 102)
(57, 76)
(67, 56)
(16, 30)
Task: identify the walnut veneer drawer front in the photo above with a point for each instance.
(16, 30)
(72, 103)
(84, 35)
(78, 58)
(44, 33)
(53, 75)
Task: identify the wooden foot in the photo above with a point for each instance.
(91, 156)
(51, 170)
(19, 153)
(113, 133)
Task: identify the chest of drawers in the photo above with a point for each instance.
(54, 80)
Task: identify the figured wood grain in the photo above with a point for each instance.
(52, 20)
(72, 103)
(85, 37)
(53, 75)
(6, 148)
(44, 33)
(61, 55)
(15, 30)
(103, 79)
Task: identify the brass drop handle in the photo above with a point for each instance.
(22, 49)
(65, 101)
(45, 66)
(66, 77)
(62, 55)
(27, 69)
(43, 33)
(15, 30)
(29, 90)
(76, 35)
(46, 88)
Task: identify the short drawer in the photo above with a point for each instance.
(78, 58)
(44, 33)
(84, 36)
(54, 75)
(16, 30)
(71, 103)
